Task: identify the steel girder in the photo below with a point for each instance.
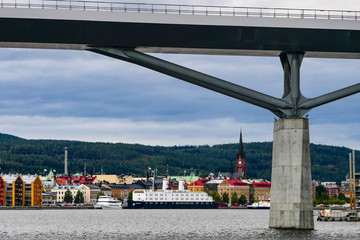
(292, 105)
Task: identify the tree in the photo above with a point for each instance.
(234, 198)
(319, 190)
(68, 198)
(79, 198)
(215, 195)
(242, 199)
(341, 196)
(99, 194)
(225, 197)
(130, 196)
(324, 196)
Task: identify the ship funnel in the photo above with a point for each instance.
(165, 184)
(181, 184)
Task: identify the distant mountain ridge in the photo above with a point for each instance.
(329, 163)
(4, 136)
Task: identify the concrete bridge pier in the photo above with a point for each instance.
(291, 193)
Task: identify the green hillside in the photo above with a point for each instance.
(329, 163)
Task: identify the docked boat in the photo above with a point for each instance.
(170, 199)
(107, 202)
(262, 204)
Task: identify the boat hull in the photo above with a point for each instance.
(169, 205)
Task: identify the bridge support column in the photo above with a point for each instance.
(291, 193)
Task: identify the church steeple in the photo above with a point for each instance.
(241, 149)
(240, 159)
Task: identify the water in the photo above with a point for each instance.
(158, 224)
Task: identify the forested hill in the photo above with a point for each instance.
(329, 163)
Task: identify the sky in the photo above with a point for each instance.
(79, 95)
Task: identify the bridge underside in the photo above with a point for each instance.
(64, 29)
(128, 36)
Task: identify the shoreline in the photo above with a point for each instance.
(44, 207)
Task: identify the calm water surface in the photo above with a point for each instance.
(158, 224)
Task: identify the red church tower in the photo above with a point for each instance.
(240, 159)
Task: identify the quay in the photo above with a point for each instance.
(45, 207)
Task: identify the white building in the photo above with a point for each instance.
(61, 190)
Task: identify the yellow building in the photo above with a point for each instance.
(129, 179)
(106, 178)
(231, 186)
(22, 190)
(36, 192)
(262, 190)
(197, 186)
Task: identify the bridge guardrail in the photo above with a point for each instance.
(183, 9)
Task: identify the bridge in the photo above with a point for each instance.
(129, 31)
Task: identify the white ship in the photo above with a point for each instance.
(170, 198)
(262, 204)
(107, 202)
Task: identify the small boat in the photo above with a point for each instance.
(262, 204)
(107, 202)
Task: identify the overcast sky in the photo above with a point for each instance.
(79, 95)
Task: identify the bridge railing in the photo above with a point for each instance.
(183, 9)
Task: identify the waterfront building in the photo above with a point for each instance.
(122, 190)
(234, 185)
(61, 190)
(105, 190)
(198, 185)
(49, 198)
(119, 190)
(22, 190)
(212, 185)
(18, 192)
(345, 188)
(261, 190)
(92, 191)
(332, 188)
(33, 190)
(2, 192)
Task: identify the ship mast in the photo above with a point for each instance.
(352, 180)
(350, 183)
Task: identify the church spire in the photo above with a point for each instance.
(240, 160)
(241, 149)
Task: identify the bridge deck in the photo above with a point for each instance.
(181, 29)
